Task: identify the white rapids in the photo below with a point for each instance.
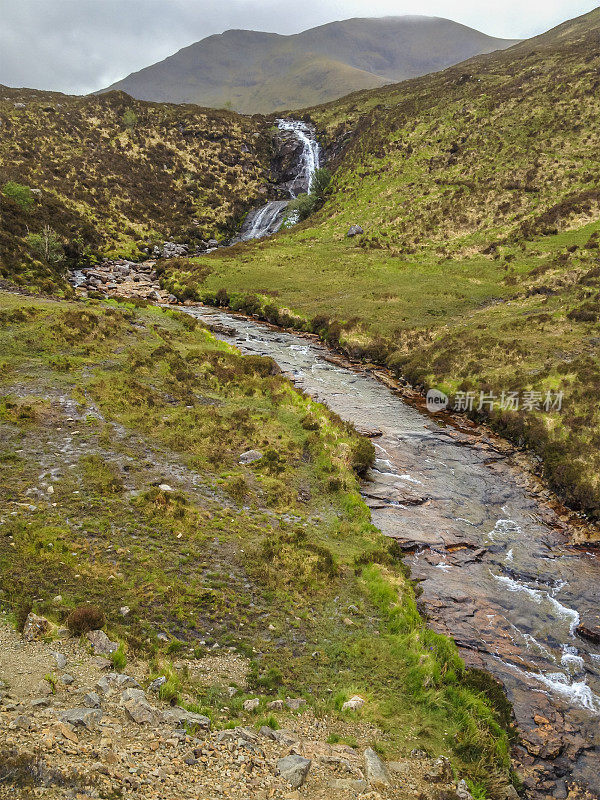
(268, 219)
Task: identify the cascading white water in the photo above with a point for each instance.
(310, 160)
(268, 219)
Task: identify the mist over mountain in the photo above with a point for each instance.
(253, 71)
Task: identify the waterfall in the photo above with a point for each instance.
(268, 219)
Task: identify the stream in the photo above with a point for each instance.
(494, 563)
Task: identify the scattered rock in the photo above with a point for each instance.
(179, 716)
(354, 230)
(115, 681)
(294, 769)
(101, 643)
(353, 704)
(251, 705)
(84, 717)
(164, 487)
(441, 771)
(124, 611)
(375, 770)
(157, 683)
(35, 627)
(276, 705)
(462, 790)
(250, 456)
(61, 660)
(295, 703)
(67, 679)
(140, 711)
(91, 700)
(22, 722)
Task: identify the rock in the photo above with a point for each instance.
(276, 705)
(102, 663)
(67, 679)
(267, 732)
(441, 771)
(84, 717)
(61, 660)
(348, 785)
(154, 295)
(375, 770)
(462, 790)
(141, 712)
(212, 243)
(294, 769)
(507, 793)
(250, 456)
(295, 703)
(178, 716)
(171, 298)
(251, 705)
(56, 601)
(157, 683)
(40, 702)
(101, 643)
(592, 634)
(353, 704)
(354, 230)
(91, 700)
(133, 694)
(35, 627)
(23, 723)
(124, 611)
(164, 487)
(115, 681)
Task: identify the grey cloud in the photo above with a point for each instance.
(78, 46)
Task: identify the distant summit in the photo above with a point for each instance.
(255, 72)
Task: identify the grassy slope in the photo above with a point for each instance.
(103, 403)
(478, 270)
(113, 174)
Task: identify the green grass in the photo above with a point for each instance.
(135, 398)
(479, 266)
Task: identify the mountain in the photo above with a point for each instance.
(478, 270)
(252, 71)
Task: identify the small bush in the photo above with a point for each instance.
(118, 658)
(84, 619)
(22, 195)
(129, 119)
(363, 456)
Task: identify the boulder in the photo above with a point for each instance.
(179, 716)
(35, 627)
(354, 230)
(375, 770)
(141, 712)
(353, 704)
(83, 717)
(91, 700)
(157, 683)
(295, 703)
(101, 643)
(294, 769)
(251, 705)
(61, 660)
(276, 705)
(250, 456)
(115, 681)
(440, 772)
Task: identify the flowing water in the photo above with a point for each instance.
(268, 219)
(497, 572)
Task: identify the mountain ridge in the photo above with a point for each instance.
(223, 70)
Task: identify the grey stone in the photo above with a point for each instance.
(91, 700)
(67, 679)
(294, 769)
(276, 705)
(267, 732)
(115, 681)
(179, 716)
(85, 717)
(23, 722)
(101, 643)
(251, 705)
(133, 694)
(440, 772)
(354, 230)
(157, 683)
(250, 456)
(353, 704)
(141, 712)
(375, 770)
(348, 785)
(61, 660)
(295, 703)
(41, 702)
(462, 790)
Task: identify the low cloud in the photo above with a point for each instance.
(77, 46)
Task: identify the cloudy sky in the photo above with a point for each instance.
(77, 46)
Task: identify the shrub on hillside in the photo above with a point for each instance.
(47, 246)
(84, 619)
(22, 195)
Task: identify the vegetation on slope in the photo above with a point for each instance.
(253, 71)
(105, 404)
(112, 175)
(478, 270)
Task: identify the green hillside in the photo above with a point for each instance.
(252, 71)
(478, 190)
(111, 174)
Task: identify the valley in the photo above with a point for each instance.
(217, 332)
